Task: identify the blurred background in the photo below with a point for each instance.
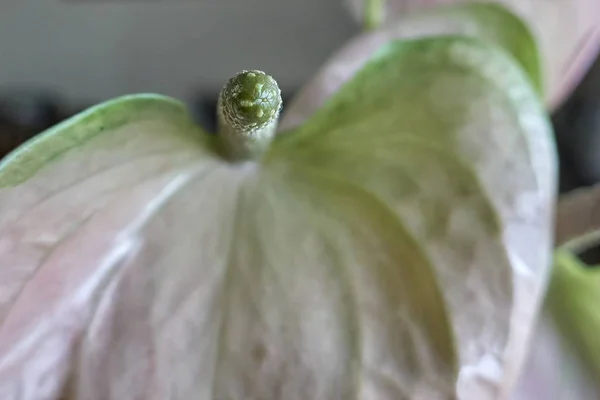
(61, 56)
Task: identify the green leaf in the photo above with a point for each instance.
(564, 361)
(392, 247)
(574, 296)
(487, 22)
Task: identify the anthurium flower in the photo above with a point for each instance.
(393, 245)
(568, 33)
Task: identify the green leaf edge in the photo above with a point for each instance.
(571, 282)
(23, 162)
(525, 50)
(312, 127)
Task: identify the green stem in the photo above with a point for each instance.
(373, 11)
(583, 242)
(247, 113)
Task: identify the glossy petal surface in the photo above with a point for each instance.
(377, 251)
(564, 360)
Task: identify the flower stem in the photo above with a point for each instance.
(373, 11)
(583, 243)
(247, 113)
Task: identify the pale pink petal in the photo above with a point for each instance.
(554, 371)
(568, 32)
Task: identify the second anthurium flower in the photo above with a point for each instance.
(568, 33)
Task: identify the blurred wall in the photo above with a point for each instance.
(89, 50)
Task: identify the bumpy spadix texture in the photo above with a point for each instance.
(250, 100)
(248, 109)
(394, 246)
